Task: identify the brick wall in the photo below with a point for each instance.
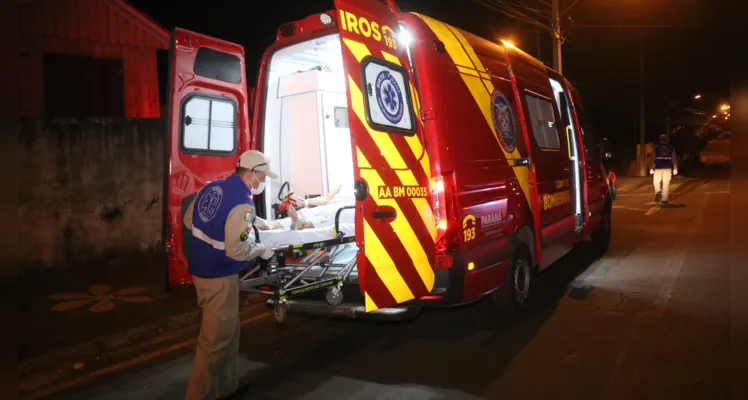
(88, 188)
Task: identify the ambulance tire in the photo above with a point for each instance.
(514, 297)
(601, 238)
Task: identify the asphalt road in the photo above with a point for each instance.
(649, 320)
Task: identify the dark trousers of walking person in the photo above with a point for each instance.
(215, 366)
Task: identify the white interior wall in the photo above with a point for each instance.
(306, 82)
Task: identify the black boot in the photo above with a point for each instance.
(658, 197)
(240, 391)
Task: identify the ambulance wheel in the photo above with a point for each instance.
(513, 298)
(279, 312)
(601, 238)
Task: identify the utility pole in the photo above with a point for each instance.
(556, 35)
(642, 134)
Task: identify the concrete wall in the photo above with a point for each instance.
(88, 188)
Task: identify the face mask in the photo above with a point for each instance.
(259, 190)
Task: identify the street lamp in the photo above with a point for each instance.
(698, 96)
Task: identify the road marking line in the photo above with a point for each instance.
(127, 363)
(633, 194)
(652, 211)
(630, 208)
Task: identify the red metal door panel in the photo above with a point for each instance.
(207, 129)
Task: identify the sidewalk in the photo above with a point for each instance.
(74, 316)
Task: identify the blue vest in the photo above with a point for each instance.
(207, 254)
(664, 156)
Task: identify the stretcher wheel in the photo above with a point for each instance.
(334, 296)
(279, 312)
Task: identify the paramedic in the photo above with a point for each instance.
(663, 165)
(221, 247)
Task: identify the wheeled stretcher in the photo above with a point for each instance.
(305, 262)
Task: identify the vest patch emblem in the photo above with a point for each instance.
(209, 203)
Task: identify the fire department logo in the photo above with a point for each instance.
(503, 120)
(389, 97)
(209, 202)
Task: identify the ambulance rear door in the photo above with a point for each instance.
(395, 228)
(207, 129)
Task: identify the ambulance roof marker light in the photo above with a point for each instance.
(325, 19)
(509, 43)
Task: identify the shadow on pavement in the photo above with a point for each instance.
(420, 352)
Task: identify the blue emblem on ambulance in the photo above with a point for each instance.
(503, 120)
(389, 97)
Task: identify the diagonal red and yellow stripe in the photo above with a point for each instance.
(397, 260)
(478, 82)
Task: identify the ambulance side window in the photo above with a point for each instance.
(588, 135)
(543, 121)
(208, 125)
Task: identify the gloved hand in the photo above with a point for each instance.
(268, 254)
(675, 172)
(652, 171)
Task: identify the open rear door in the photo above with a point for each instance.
(207, 129)
(394, 218)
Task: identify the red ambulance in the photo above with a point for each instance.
(473, 164)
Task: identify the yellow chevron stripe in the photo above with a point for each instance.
(362, 161)
(393, 157)
(468, 71)
(403, 228)
(391, 58)
(382, 139)
(384, 266)
(401, 225)
(369, 303)
(358, 49)
(480, 89)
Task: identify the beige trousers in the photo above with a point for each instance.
(215, 366)
(662, 182)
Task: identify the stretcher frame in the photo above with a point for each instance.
(282, 280)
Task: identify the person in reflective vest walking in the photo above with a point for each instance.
(663, 165)
(220, 218)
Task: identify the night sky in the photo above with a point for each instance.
(688, 57)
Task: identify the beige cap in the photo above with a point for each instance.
(254, 160)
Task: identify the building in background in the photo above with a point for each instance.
(88, 59)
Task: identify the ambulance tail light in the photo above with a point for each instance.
(442, 196)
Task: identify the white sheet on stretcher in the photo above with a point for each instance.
(283, 237)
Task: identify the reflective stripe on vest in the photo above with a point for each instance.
(218, 245)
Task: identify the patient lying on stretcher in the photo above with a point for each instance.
(322, 215)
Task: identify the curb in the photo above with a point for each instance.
(120, 341)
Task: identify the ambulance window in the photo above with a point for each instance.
(543, 121)
(387, 97)
(588, 134)
(208, 125)
(218, 65)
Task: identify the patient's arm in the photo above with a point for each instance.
(321, 201)
(265, 225)
(296, 222)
